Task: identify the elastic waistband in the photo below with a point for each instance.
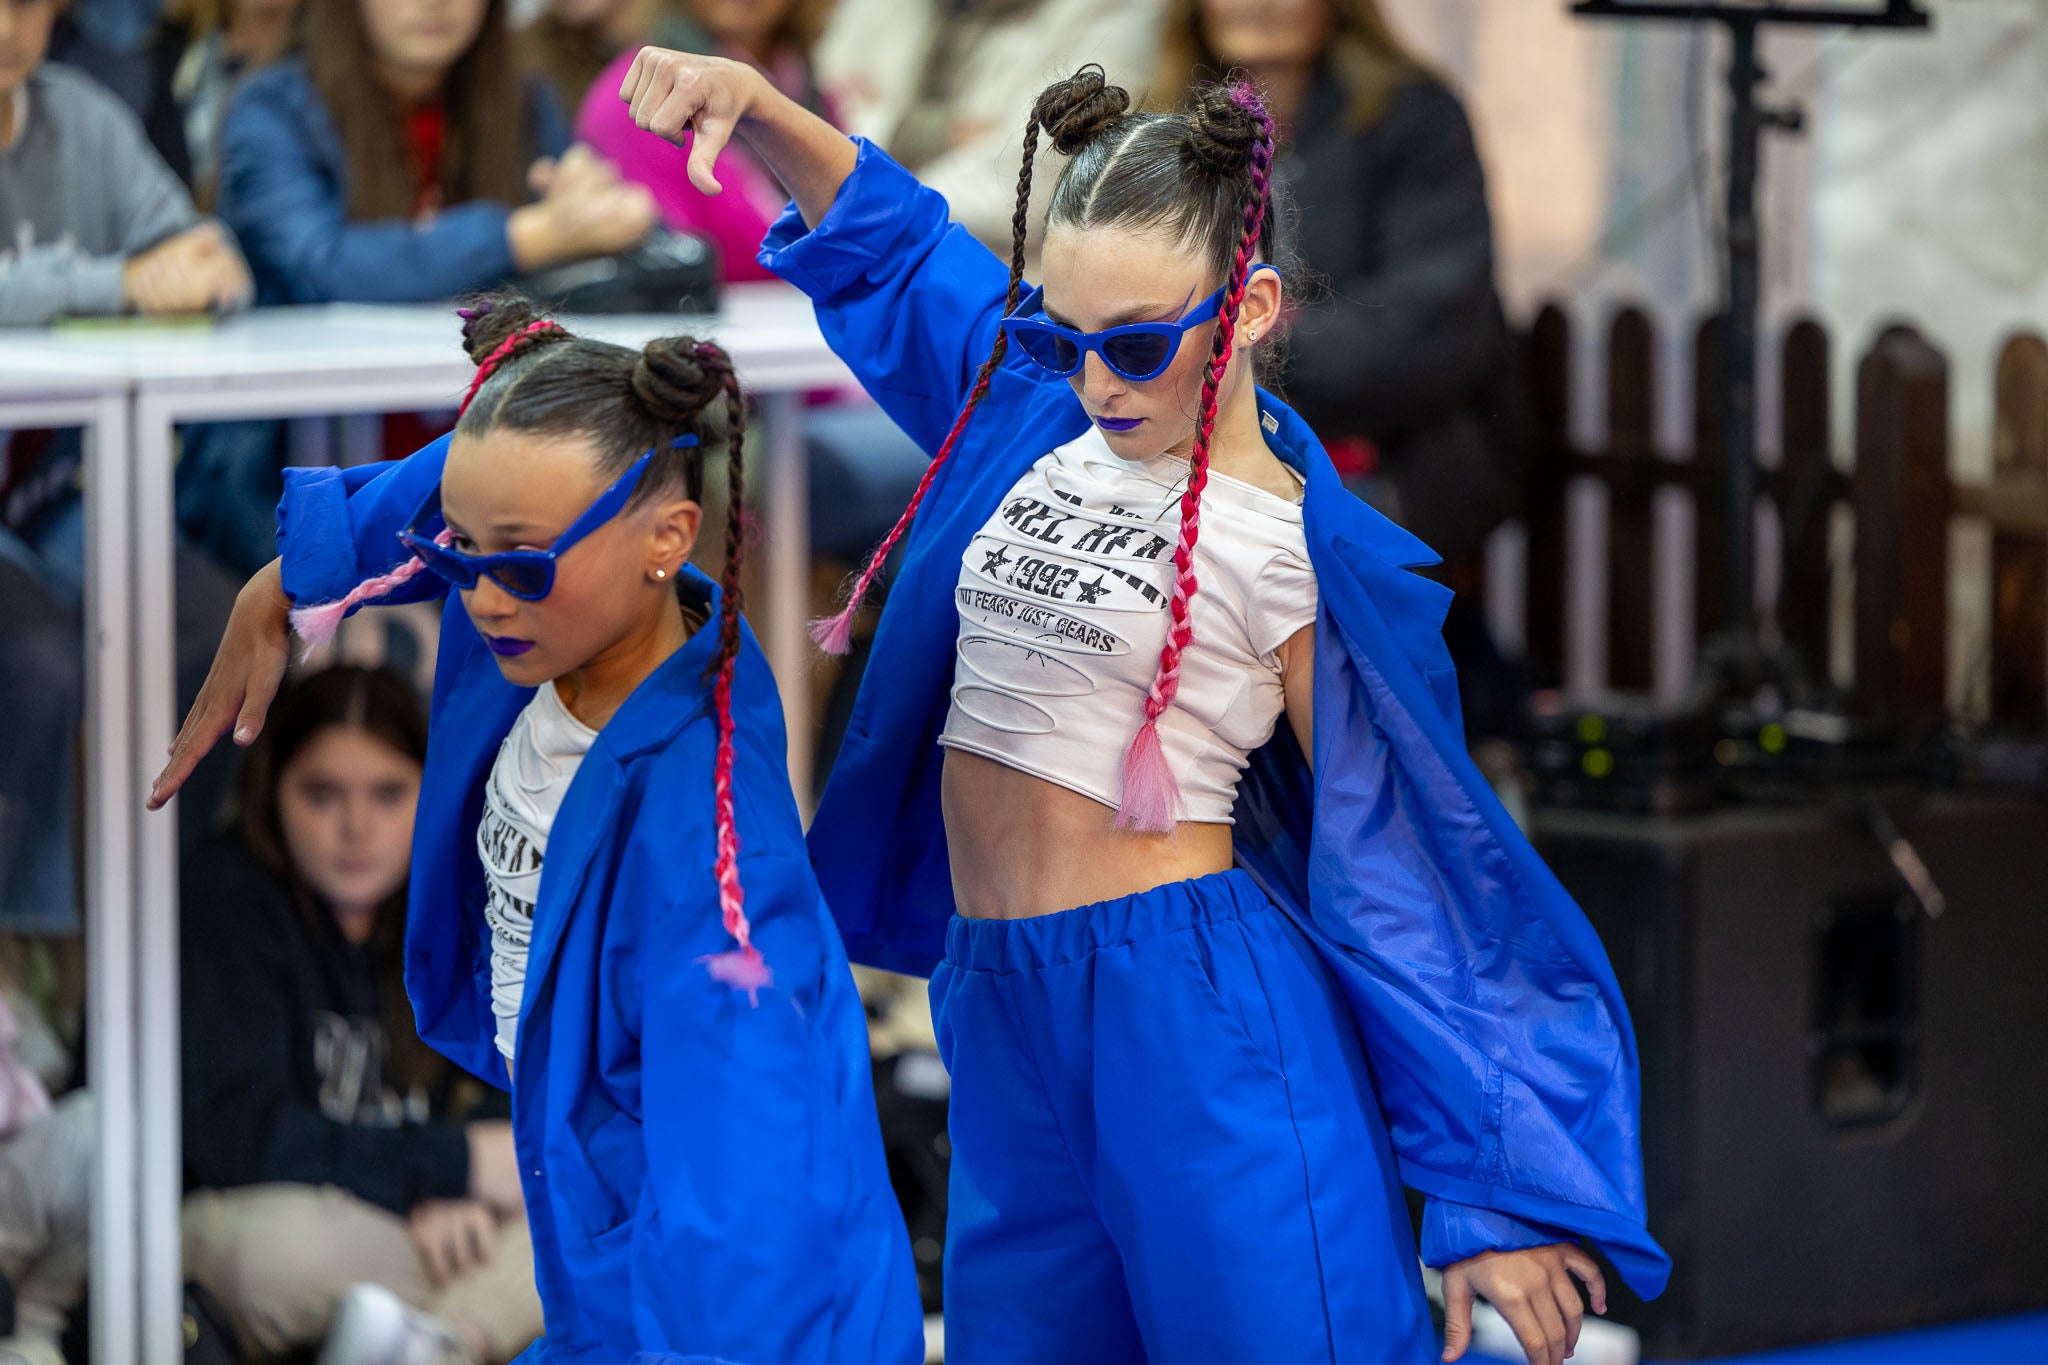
(1026, 945)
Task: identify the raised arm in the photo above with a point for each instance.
(907, 298)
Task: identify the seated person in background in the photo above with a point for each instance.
(91, 219)
(91, 222)
(937, 83)
(46, 1161)
(207, 46)
(320, 1152)
(571, 41)
(392, 163)
(1403, 362)
(773, 36)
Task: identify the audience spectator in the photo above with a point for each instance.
(393, 161)
(571, 41)
(45, 1205)
(321, 1136)
(139, 77)
(940, 84)
(91, 219)
(775, 36)
(91, 222)
(208, 46)
(1401, 359)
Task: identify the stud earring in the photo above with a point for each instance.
(660, 574)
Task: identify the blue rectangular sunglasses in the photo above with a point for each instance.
(1137, 350)
(527, 574)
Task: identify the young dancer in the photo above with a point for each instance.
(1216, 985)
(612, 913)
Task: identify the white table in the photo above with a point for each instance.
(129, 389)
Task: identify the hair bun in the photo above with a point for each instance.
(1076, 111)
(1224, 131)
(676, 378)
(488, 319)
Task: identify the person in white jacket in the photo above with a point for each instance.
(938, 83)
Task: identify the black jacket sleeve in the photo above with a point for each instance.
(251, 1106)
(1410, 325)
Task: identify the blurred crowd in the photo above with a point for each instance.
(215, 155)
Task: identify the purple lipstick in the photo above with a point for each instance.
(1118, 423)
(506, 648)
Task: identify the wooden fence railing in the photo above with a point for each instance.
(1899, 489)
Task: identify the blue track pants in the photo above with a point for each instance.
(1166, 1145)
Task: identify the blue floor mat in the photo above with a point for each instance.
(2021, 1340)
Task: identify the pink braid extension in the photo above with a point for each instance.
(486, 366)
(316, 624)
(741, 967)
(834, 634)
(1151, 795)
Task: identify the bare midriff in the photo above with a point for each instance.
(1021, 846)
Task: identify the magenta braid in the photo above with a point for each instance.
(742, 967)
(489, 364)
(834, 634)
(1151, 796)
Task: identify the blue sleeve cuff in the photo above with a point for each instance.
(880, 208)
(1458, 1232)
(315, 540)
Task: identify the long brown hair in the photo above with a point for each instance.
(487, 150)
(1363, 54)
(381, 704)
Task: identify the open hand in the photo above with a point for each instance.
(1532, 1290)
(242, 683)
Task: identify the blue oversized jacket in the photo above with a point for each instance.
(1499, 1041)
(284, 191)
(704, 1178)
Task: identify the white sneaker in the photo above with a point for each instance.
(373, 1326)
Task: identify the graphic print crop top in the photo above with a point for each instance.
(1063, 610)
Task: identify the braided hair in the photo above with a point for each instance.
(1205, 176)
(535, 376)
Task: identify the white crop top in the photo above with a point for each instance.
(535, 765)
(1063, 610)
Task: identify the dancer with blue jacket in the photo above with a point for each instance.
(1210, 986)
(613, 913)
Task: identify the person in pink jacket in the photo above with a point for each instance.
(774, 37)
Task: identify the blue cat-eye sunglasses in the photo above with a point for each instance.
(527, 574)
(1137, 350)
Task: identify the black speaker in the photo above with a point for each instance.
(1845, 1108)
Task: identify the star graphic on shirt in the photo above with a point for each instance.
(996, 559)
(1092, 592)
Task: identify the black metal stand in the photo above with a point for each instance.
(1734, 664)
